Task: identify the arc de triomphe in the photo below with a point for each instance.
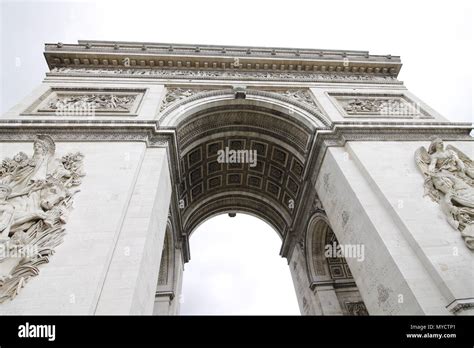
(113, 161)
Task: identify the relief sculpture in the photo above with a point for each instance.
(36, 195)
(449, 180)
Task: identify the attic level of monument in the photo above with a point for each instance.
(127, 55)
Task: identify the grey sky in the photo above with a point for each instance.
(434, 39)
(235, 268)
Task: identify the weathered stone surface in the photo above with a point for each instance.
(334, 140)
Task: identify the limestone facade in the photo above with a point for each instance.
(335, 135)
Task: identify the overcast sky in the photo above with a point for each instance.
(235, 268)
(232, 268)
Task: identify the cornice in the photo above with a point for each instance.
(383, 131)
(136, 55)
(459, 305)
(126, 130)
(153, 136)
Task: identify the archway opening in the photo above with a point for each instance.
(330, 277)
(236, 269)
(246, 155)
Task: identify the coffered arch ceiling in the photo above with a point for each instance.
(322, 268)
(271, 190)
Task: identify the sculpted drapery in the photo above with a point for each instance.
(35, 197)
(449, 180)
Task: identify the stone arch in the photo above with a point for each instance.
(169, 276)
(183, 107)
(281, 131)
(166, 273)
(250, 205)
(318, 268)
(329, 276)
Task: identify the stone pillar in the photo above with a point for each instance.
(167, 297)
(327, 298)
(162, 304)
(309, 303)
(179, 269)
(415, 262)
(130, 284)
(110, 254)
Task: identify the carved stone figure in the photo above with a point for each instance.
(176, 94)
(300, 95)
(97, 102)
(393, 106)
(35, 196)
(356, 106)
(6, 212)
(449, 180)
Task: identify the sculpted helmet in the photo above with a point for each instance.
(47, 142)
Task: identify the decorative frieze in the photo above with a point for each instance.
(382, 106)
(87, 102)
(96, 102)
(369, 106)
(226, 75)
